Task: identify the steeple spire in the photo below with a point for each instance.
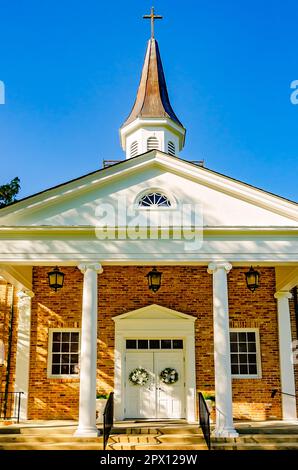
(152, 115)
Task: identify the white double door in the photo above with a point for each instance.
(155, 400)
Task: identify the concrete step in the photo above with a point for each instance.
(252, 446)
(149, 447)
(257, 439)
(136, 439)
(57, 438)
(39, 431)
(51, 446)
(183, 429)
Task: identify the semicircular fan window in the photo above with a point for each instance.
(154, 199)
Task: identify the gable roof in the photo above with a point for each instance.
(181, 167)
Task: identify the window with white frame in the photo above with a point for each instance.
(154, 199)
(245, 353)
(64, 352)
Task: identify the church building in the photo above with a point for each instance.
(154, 278)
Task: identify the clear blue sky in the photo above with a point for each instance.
(71, 71)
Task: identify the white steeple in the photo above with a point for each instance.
(152, 123)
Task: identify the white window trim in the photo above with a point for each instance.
(50, 344)
(258, 352)
(171, 198)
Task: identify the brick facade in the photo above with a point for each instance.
(294, 325)
(121, 289)
(8, 320)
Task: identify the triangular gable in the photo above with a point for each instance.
(225, 202)
(153, 312)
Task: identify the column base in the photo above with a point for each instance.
(229, 432)
(87, 432)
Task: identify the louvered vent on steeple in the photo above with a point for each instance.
(152, 143)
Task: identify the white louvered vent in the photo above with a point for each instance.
(171, 148)
(134, 149)
(152, 143)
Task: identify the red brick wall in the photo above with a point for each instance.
(8, 295)
(256, 310)
(52, 398)
(294, 338)
(122, 289)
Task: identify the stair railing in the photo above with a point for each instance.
(108, 419)
(204, 417)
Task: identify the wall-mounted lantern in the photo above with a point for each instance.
(154, 279)
(56, 279)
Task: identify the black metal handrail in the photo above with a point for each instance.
(10, 405)
(204, 416)
(108, 419)
(275, 391)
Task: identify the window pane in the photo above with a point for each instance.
(251, 337)
(75, 337)
(73, 369)
(242, 347)
(243, 369)
(131, 344)
(74, 358)
(65, 358)
(56, 359)
(56, 337)
(154, 343)
(252, 347)
(64, 369)
(234, 358)
(55, 369)
(233, 337)
(143, 344)
(65, 347)
(252, 358)
(243, 358)
(177, 344)
(56, 347)
(166, 344)
(74, 347)
(242, 337)
(253, 369)
(235, 369)
(65, 337)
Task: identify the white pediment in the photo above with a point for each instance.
(223, 202)
(154, 312)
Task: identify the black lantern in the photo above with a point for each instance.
(154, 279)
(56, 279)
(252, 279)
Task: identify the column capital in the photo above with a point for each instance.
(213, 267)
(97, 267)
(283, 294)
(25, 294)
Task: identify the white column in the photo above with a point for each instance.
(222, 360)
(88, 357)
(23, 349)
(289, 411)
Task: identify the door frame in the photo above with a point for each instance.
(155, 321)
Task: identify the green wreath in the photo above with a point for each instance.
(169, 375)
(139, 376)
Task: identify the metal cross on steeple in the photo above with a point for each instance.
(152, 17)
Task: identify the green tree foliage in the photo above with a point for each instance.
(9, 191)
